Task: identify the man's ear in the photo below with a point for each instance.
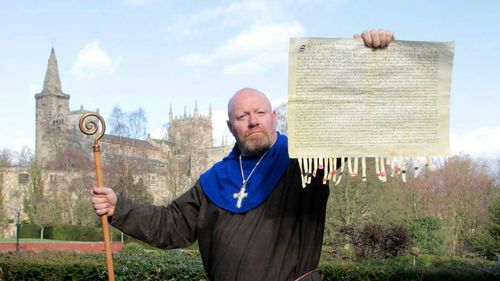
(229, 126)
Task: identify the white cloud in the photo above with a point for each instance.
(20, 142)
(259, 38)
(34, 88)
(93, 61)
(195, 59)
(261, 42)
(219, 126)
(277, 102)
(256, 63)
(252, 50)
(483, 142)
(158, 133)
(225, 16)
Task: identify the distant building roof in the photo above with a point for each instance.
(128, 141)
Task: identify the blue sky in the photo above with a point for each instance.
(153, 53)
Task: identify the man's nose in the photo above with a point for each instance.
(254, 120)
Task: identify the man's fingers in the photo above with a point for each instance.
(103, 200)
(101, 190)
(99, 199)
(375, 37)
(386, 37)
(101, 212)
(389, 37)
(383, 38)
(367, 38)
(101, 206)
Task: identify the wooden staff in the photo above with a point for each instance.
(90, 126)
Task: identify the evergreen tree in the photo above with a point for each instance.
(488, 242)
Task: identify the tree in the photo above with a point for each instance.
(458, 193)
(24, 157)
(348, 204)
(34, 197)
(426, 234)
(70, 183)
(128, 124)
(281, 116)
(134, 190)
(117, 122)
(6, 158)
(5, 162)
(123, 158)
(177, 174)
(373, 240)
(48, 213)
(487, 243)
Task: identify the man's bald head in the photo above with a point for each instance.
(252, 121)
(245, 92)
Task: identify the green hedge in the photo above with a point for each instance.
(67, 232)
(73, 233)
(398, 269)
(144, 264)
(52, 266)
(29, 231)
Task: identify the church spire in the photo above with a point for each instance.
(210, 113)
(170, 114)
(52, 82)
(196, 113)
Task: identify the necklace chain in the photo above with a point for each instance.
(243, 180)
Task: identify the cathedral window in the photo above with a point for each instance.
(151, 179)
(58, 121)
(52, 179)
(23, 178)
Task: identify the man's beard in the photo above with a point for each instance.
(255, 145)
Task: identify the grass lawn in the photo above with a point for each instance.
(33, 240)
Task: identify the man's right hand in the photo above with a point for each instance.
(103, 201)
(376, 38)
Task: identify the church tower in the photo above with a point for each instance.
(191, 131)
(191, 136)
(52, 116)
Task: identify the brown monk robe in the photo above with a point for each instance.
(279, 240)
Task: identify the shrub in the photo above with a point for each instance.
(132, 248)
(487, 243)
(52, 266)
(186, 265)
(401, 269)
(67, 232)
(29, 231)
(374, 240)
(151, 265)
(426, 234)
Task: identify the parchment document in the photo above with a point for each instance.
(346, 100)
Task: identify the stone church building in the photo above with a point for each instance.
(167, 166)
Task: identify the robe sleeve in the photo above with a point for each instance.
(170, 226)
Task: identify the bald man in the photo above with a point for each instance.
(249, 212)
